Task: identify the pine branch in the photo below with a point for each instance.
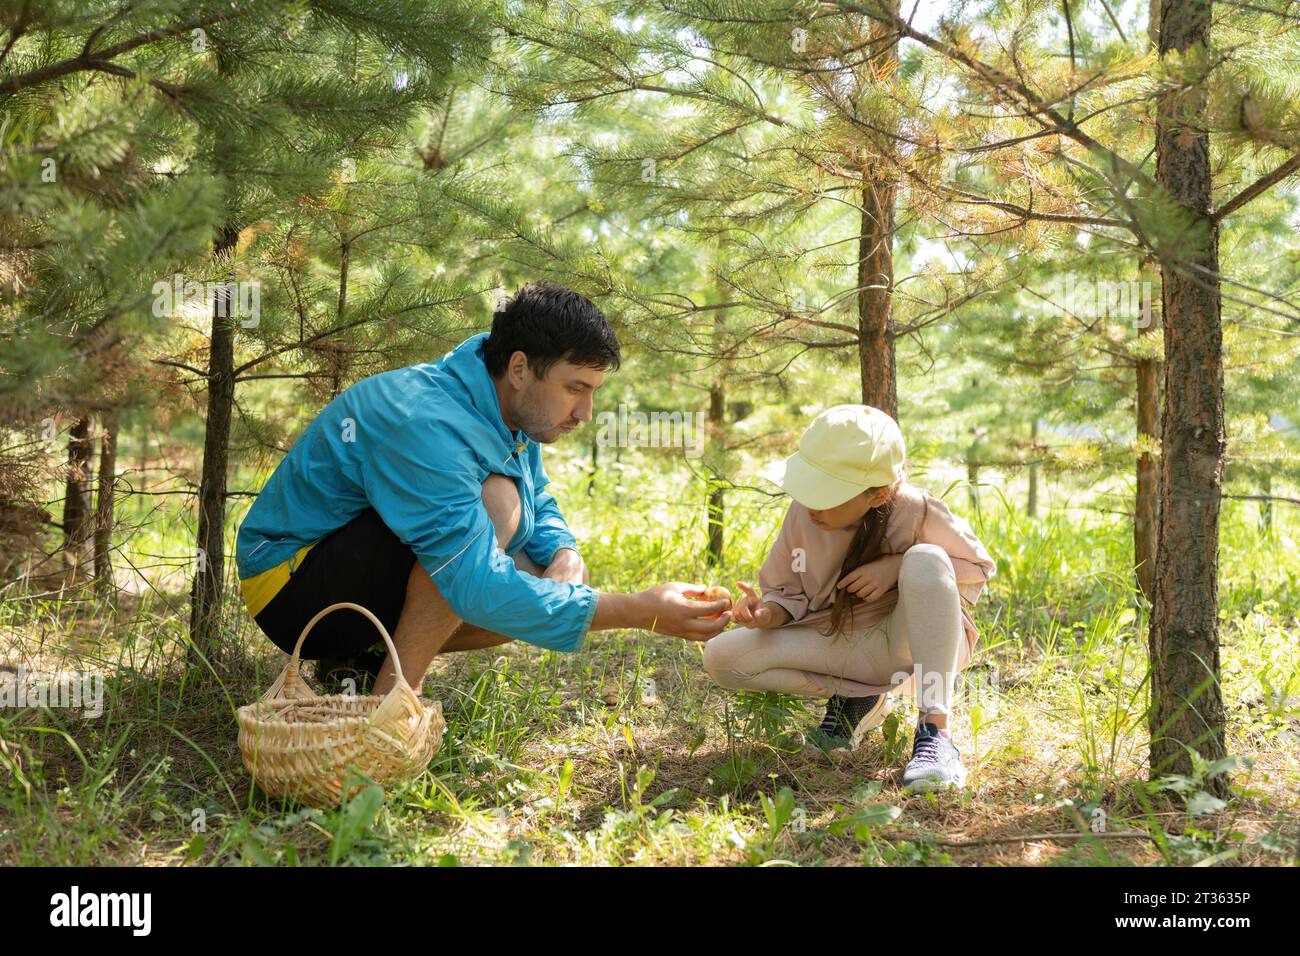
(1004, 85)
(87, 60)
(1259, 186)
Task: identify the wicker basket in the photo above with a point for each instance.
(299, 744)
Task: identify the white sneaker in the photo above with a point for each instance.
(935, 764)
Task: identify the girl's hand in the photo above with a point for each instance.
(747, 606)
(874, 579)
(750, 611)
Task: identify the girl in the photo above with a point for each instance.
(864, 592)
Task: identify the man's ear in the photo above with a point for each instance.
(517, 369)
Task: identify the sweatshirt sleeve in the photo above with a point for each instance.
(954, 534)
(550, 530)
(441, 517)
(778, 578)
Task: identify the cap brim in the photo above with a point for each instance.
(809, 486)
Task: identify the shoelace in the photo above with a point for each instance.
(927, 749)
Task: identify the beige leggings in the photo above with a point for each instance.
(922, 639)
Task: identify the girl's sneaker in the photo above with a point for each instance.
(935, 762)
(847, 721)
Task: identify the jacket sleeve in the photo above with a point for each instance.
(952, 533)
(550, 530)
(441, 517)
(780, 582)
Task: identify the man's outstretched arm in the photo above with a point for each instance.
(663, 609)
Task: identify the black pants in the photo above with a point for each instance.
(362, 562)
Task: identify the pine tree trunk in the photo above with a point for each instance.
(144, 451)
(876, 257)
(1186, 705)
(104, 504)
(716, 431)
(717, 495)
(205, 596)
(875, 281)
(77, 515)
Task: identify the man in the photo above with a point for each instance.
(420, 494)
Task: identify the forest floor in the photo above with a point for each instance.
(626, 753)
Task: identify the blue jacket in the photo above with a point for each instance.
(416, 444)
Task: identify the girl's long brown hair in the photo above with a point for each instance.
(863, 549)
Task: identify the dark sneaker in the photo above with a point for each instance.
(847, 721)
(935, 762)
(362, 668)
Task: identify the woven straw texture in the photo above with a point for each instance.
(299, 744)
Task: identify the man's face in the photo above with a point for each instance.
(546, 408)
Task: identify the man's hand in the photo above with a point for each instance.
(672, 612)
(752, 612)
(566, 566)
(664, 609)
(873, 580)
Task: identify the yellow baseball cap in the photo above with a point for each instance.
(846, 450)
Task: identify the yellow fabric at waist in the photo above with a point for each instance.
(261, 588)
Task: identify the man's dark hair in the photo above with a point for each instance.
(550, 323)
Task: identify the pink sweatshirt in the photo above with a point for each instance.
(803, 567)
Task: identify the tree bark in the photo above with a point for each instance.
(717, 503)
(1186, 704)
(205, 595)
(716, 432)
(76, 501)
(875, 293)
(876, 253)
(104, 504)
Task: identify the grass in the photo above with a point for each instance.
(626, 753)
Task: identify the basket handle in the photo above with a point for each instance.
(291, 673)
